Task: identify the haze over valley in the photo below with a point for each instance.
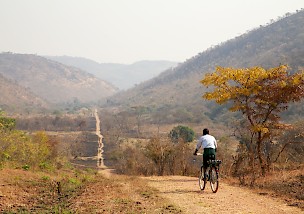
(123, 76)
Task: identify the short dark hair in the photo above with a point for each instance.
(205, 131)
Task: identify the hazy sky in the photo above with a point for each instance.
(126, 31)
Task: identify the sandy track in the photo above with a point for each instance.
(184, 192)
(100, 162)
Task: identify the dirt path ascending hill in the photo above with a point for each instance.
(100, 163)
(185, 193)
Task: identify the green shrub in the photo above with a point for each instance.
(45, 178)
(26, 167)
(183, 133)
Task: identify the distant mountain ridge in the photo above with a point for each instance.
(123, 76)
(281, 42)
(52, 81)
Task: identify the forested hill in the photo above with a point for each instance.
(279, 42)
(52, 81)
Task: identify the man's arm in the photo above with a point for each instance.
(198, 145)
(215, 144)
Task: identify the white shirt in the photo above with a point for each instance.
(206, 141)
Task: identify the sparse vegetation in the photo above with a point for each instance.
(67, 122)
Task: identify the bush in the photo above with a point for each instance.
(183, 133)
(6, 123)
(158, 156)
(18, 149)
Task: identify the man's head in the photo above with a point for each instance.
(205, 131)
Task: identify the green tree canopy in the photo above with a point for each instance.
(183, 133)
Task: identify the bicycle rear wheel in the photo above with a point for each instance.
(202, 182)
(214, 181)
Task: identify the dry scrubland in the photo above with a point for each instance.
(75, 191)
(70, 191)
(66, 189)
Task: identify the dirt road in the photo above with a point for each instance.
(185, 193)
(100, 162)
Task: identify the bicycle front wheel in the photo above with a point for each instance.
(214, 181)
(202, 182)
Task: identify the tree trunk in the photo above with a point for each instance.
(260, 155)
(252, 163)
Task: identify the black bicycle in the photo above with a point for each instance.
(212, 175)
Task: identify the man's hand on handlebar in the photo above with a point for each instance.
(197, 153)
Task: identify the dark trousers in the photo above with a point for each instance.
(209, 154)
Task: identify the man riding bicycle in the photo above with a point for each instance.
(209, 144)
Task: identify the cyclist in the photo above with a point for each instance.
(209, 144)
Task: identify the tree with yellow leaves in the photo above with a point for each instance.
(260, 95)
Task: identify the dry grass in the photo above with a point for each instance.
(70, 191)
(121, 194)
(38, 192)
(14, 192)
(286, 184)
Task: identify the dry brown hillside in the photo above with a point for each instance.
(18, 99)
(53, 81)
